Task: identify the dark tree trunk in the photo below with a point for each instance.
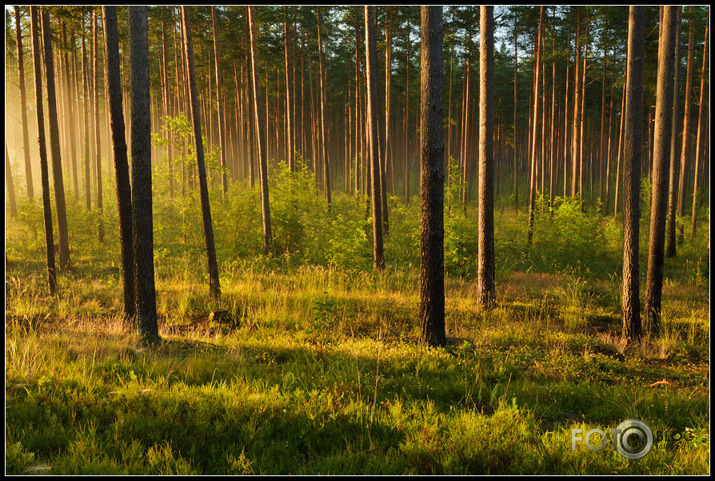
(661, 158)
(214, 286)
(121, 166)
(142, 229)
(23, 106)
(631, 174)
(260, 138)
(63, 236)
(432, 325)
(485, 270)
(372, 124)
(670, 224)
(516, 165)
(44, 171)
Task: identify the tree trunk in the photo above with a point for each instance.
(661, 158)
(670, 224)
(219, 105)
(485, 270)
(432, 300)
(142, 228)
(373, 133)
(97, 141)
(620, 150)
(10, 184)
(121, 166)
(532, 188)
(63, 236)
(686, 130)
(44, 171)
(289, 120)
(260, 138)
(601, 139)
(214, 286)
(85, 103)
(323, 139)
(407, 119)
(631, 176)
(576, 140)
(516, 165)
(701, 113)
(23, 106)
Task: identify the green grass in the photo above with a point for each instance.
(322, 371)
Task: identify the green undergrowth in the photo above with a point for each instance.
(319, 369)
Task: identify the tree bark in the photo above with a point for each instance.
(10, 184)
(260, 138)
(670, 224)
(373, 133)
(142, 228)
(121, 166)
(97, 140)
(631, 174)
(214, 286)
(219, 105)
(44, 171)
(686, 131)
(63, 236)
(661, 158)
(576, 145)
(289, 119)
(432, 300)
(701, 113)
(485, 269)
(323, 139)
(23, 106)
(532, 189)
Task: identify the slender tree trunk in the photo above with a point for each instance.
(553, 124)
(10, 184)
(516, 98)
(670, 224)
(323, 139)
(576, 141)
(582, 143)
(97, 141)
(23, 106)
(620, 150)
(260, 138)
(289, 120)
(686, 130)
(142, 228)
(532, 189)
(85, 103)
(601, 139)
(661, 158)
(63, 236)
(566, 111)
(631, 174)
(604, 206)
(701, 113)
(372, 119)
(121, 166)
(214, 286)
(44, 171)
(219, 105)
(432, 300)
(485, 270)
(407, 119)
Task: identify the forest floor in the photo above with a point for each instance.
(318, 369)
